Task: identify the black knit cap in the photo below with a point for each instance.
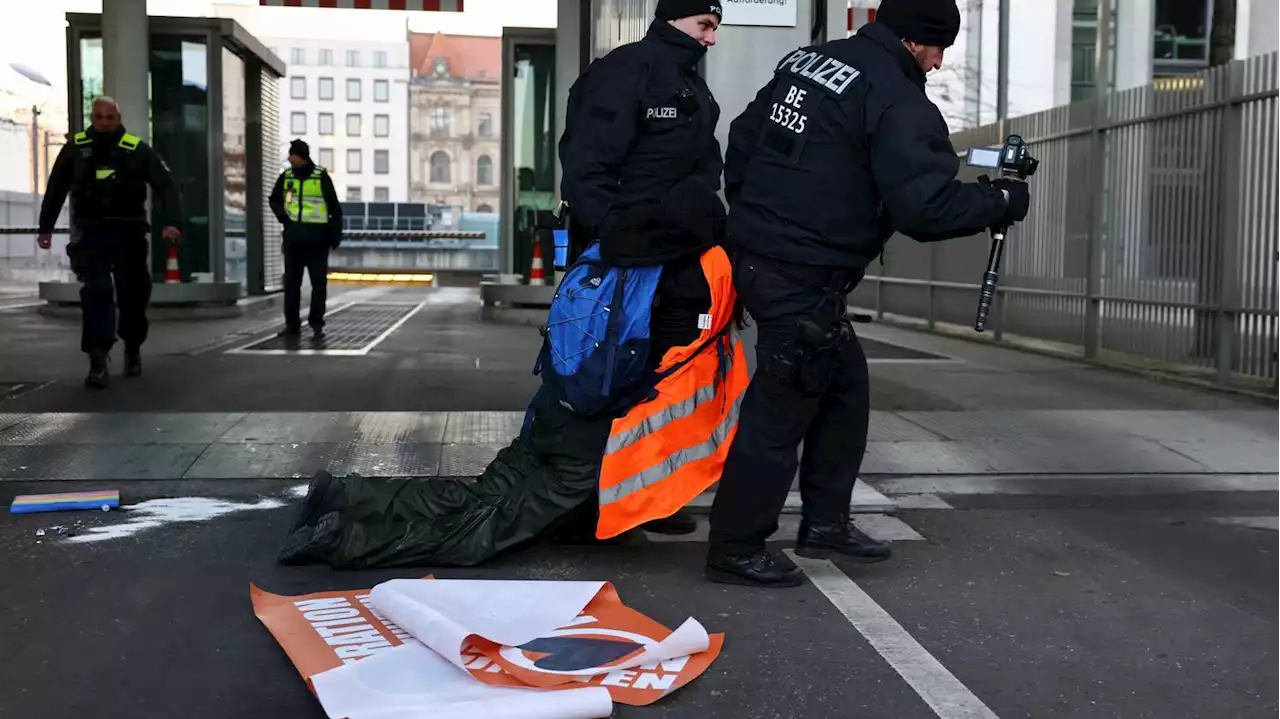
(928, 22)
(676, 9)
(300, 149)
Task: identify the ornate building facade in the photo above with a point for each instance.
(455, 120)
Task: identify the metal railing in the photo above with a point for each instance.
(1152, 238)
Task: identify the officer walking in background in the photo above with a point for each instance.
(306, 203)
(839, 150)
(642, 167)
(107, 171)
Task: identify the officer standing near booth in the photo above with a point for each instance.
(839, 150)
(306, 203)
(107, 170)
(642, 167)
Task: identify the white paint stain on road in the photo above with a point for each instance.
(155, 513)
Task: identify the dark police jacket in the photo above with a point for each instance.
(107, 176)
(641, 164)
(840, 149)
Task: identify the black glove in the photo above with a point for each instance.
(1019, 198)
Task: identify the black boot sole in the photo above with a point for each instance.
(723, 576)
(811, 552)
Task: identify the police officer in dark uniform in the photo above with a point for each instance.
(641, 169)
(107, 171)
(306, 203)
(840, 149)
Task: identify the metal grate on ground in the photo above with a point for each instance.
(352, 330)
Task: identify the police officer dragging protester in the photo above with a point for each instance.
(107, 170)
(839, 150)
(306, 203)
(641, 168)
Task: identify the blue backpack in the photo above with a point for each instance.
(596, 341)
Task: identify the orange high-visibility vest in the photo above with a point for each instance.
(670, 449)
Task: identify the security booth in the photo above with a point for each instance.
(214, 119)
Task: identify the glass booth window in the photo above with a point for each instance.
(235, 208)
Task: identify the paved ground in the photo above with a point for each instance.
(1070, 542)
(1045, 608)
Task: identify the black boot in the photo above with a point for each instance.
(133, 363)
(762, 569)
(678, 523)
(822, 540)
(98, 376)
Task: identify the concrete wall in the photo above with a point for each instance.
(20, 259)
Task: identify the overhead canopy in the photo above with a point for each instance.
(418, 5)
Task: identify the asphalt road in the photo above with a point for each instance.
(1040, 607)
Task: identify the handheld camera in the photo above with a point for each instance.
(1012, 160)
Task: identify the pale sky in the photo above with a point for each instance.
(38, 40)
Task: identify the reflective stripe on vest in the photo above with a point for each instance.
(304, 199)
(127, 141)
(670, 449)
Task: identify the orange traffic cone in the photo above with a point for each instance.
(171, 274)
(536, 274)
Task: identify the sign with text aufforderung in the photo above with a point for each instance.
(773, 13)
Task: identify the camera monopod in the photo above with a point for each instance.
(1012, 160)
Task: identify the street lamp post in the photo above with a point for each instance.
(37, 78)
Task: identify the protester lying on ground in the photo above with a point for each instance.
(615, 471)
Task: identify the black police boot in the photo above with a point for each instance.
(98, 376)
(133, 363)
(762, 569)
(822, 540)
(317, 334)
(678, 523)
(290, 332)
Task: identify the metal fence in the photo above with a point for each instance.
(1151, 239)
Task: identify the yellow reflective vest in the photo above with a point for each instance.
(304, 199)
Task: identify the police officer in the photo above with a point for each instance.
(306, 203)
(107, 171)
(641, 169)
(840, 149)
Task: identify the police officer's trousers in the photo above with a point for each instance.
(114, 269)
(810, 385)
(311, 257)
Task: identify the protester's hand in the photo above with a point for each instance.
(45, 240)
(1017, 197)
(171, 234)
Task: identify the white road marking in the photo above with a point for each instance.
(244, 349)
(921, 501)
(1272, 523)
(865, 499)
(946, 695)
(877, 526)
(22, 306)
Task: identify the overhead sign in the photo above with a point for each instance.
(769, 13)
(416, 5)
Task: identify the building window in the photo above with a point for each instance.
(353, 89)
(326, 123)
(353, 58)
(486, 125)
(440, 118)
(484, 208)
(353, 125)
(298, 56)
(381, 161)
(484, 170)
(354, 194)
(382, 194)
(381, 91)
(325, 88)
(439, 167)
(298, 88)
(380, 60)
(326, 157)
(354, 161)
(326, 57)
(381, 125)
(298, 123)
